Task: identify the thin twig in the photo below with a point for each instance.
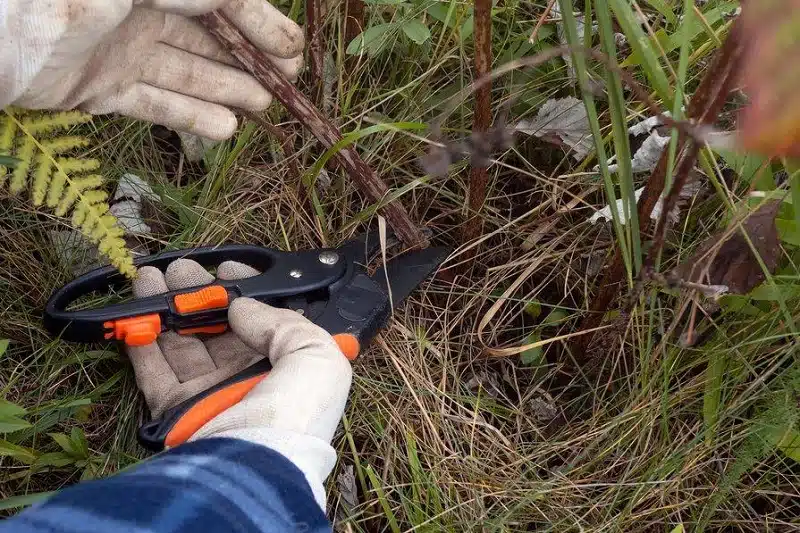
(540, 22)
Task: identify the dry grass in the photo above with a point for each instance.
(443, 435)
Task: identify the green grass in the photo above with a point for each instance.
(442, 436)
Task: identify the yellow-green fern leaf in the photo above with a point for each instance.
(7, 130)
(41, 178)
(47, 123)
(60, 145)
(64, 203)
(46, 166)
(71, 165)
(25, 154)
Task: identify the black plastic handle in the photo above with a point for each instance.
(284, 275)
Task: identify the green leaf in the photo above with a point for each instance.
(533, 309)
(712, 396)
(670, 42)
(738, 303)
(24, 500)
(556, 316)
(532, 356)
(787, 440)
(774, 293)
(788, 231)
(677, 529)
(662, 7)
(9, 424)
(384, 2)
(20, 453)
(751, 168)
(10, 409)
(439, 12)
(3, 346)
(467, 28)
(79, 442)
(642, 47)
(416, 31)
(371, 41)
(65, 443)
(57, 459)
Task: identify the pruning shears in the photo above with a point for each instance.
(331, 287)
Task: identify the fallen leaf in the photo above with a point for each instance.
(730, 262)
(770, 123)
(691, 188)
(346, 483)
(561, 121)
(646, 157)
(194, 146)
(484, 382)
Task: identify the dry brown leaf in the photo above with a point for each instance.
(730, 261)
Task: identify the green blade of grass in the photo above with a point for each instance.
(382, 499)
(581, 69)
(619, 126)
(640, 43)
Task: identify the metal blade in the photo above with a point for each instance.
(407, 272)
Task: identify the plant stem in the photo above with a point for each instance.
(298, 105)
(482, 118)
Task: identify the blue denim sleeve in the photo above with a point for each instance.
(204, 486)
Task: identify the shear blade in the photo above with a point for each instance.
(405, 273)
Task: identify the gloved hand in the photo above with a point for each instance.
(294, 411)
(146, 59)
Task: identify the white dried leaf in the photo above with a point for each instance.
(690, 189)
(605, 213)
(564, 118)
(129, 216)
(646, 157)
(194, 146)
(647, 125)
(132, 187)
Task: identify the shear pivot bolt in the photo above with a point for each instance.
(328, 258)
(295, 274)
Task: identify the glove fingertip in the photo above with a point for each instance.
(149, 282)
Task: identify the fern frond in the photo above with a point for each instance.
(62, 182)
(25, 154)
(77, 186)
(60, 145)
(71, 165)
(48, 123)
(41, 178)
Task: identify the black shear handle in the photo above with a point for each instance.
(92, 325)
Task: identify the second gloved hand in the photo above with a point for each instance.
(147, 59)
(295, 410)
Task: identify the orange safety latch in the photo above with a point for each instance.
(212, 297)
(134, 331)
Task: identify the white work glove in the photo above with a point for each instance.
(146, 59)
(295, 410)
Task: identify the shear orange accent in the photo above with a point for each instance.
(216, 329)
(212, 297)
(135, 331)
